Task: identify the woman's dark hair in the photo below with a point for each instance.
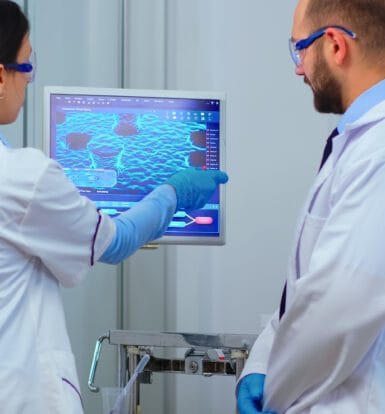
(13, 28)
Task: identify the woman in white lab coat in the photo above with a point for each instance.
(50, 235)
(326, 354)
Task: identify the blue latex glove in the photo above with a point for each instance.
(250, 394)
(194, 186)
(144, 222)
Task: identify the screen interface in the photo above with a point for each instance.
(116, 149)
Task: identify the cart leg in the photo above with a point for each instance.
(133, 360)
(122, 366)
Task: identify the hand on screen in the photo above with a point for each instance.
(194, 186)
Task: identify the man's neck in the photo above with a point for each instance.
(360, 82)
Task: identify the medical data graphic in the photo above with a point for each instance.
(117, 149)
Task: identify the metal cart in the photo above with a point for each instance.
(205, 354)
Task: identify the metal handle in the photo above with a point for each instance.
(94, 364)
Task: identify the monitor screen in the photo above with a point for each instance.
(117, 145)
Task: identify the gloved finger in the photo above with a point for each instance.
(246, 392)
(201, 201)
(255, 393)
(247, 406)
(254, 386)
(219, 177)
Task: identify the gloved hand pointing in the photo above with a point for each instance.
(194, 186)
(250, 394)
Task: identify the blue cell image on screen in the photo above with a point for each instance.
(127, 152)
(117, 149)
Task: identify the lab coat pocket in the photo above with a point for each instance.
(311, 230)
(61, 383)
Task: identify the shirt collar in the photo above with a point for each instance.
(4, 141)
(366, 101)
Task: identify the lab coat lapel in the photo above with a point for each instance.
(339, 144)
(293, 271)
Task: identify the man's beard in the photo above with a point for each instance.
(326, 89)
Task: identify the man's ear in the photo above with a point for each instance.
(2, 81)
(338, 46)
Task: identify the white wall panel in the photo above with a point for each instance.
(145, 46)
(145, 290)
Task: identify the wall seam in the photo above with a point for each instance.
(121, 267)
(26, 105)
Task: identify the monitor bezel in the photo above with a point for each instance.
(154, 93)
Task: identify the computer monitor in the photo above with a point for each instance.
(117, 145)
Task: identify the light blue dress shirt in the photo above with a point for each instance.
(366, 101)
(4, 141)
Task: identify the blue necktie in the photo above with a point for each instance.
(327, 151)
(282, 305)
(328, 147)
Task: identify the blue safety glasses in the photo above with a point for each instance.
(28, 68)
(297, 47)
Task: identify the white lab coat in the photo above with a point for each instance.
(327, 354)
(46, 237)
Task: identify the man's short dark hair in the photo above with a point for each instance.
(364, 17)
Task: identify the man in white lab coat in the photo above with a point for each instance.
(325, 351)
